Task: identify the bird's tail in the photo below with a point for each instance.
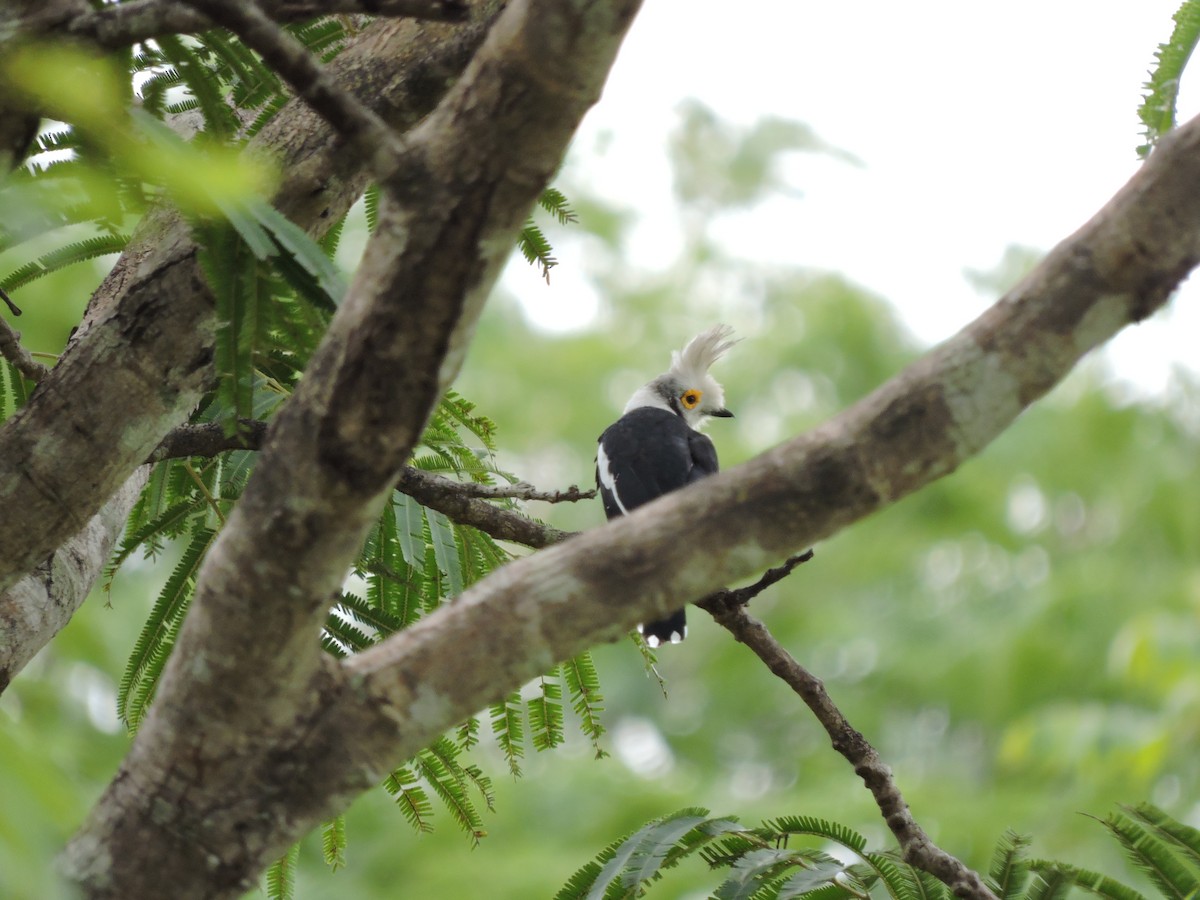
(670, 630)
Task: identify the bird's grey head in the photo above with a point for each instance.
(687, 389)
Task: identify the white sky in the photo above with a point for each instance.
(980, 126)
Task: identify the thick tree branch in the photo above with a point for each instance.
(36, 608)
(176, 816)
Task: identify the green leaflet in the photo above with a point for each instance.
(508, 728)
(1009, 870)
(281, 876)
(411, 799)
(219, 119)
(1165, 863)
(774, 830)
(292, 241)
(583, 687)
(817, 875)
(545, 713)
(899, 880)
(536, 248)
(532, 242)
(756, 864)
(61, 257)
(445, 550)
(1184, 839)
(14, 389)
(439, 767)
(157, 637)
(333, 842)
(234, 278)
(555, 202)
(628, 864)
(410, 529)
(1157, 112)
(1092, 882)
(371, 207)
(1047, 884)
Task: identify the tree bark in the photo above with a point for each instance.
(37, 607)
(142, 356)
(237, 757)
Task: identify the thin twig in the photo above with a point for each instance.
(741, 596)
(12, 307)
(523, 490)
(449, 498)
(462, 502)
(22, 359)
(918, 849)
(212, 501)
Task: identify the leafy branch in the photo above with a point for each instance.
(770, 862)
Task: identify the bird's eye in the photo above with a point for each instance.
(690, 399)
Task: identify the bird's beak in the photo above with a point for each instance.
(721, 414)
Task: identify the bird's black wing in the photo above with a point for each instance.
(704, 456)
(646, 453)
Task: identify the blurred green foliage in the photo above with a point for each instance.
(1019, 640)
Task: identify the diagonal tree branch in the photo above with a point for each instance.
(209, 439)
(176, 815)
(37, 607)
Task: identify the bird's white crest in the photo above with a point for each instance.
(692, 363)
(689, 371)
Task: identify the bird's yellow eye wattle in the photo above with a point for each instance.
(691, 399)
